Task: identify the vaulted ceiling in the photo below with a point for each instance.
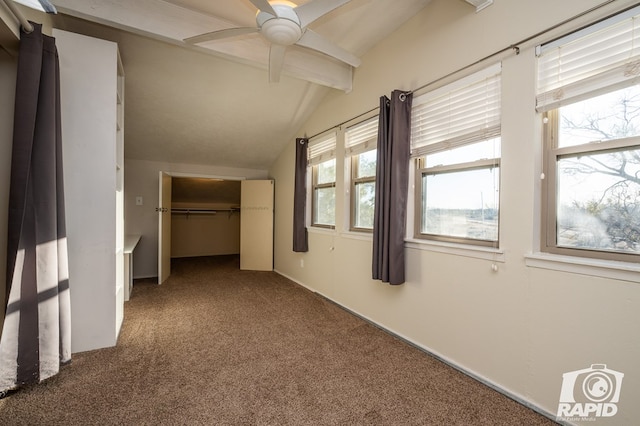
(213, 103)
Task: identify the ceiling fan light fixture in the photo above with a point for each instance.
(281, 31)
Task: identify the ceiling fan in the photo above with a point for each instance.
(285, 24)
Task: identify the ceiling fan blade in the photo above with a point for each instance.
(264, 6)
(309, 12)
(276, 60)
(216, 35)
(315, 41)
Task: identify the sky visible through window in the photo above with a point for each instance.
(457, 190)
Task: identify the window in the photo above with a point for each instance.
(592, 141)
(323, 175)
(455, 141)
(361, 141)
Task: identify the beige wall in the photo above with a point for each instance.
(519, 328)
(7, 89)
(141, 179)
(205, 234)
(8, 68)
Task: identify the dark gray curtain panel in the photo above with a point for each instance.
(392, 180)
(36, 335)
(300, 238)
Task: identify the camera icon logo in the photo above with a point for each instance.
(589, 393)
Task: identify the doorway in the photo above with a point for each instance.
(201, 216)
(205, 217)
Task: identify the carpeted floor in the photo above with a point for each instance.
(218, 346)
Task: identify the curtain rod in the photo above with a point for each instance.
(26, 25)
(513, 47)
(343, 123)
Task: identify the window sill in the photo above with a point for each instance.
(355, 235)
(318, 230)
(477, 252)
(579, 265)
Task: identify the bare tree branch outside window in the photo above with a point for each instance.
(599, 192)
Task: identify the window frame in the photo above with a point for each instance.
(552, 154)
(322, 148)
(315, 186)
(422, 171)
(359, 138)
(355, 181)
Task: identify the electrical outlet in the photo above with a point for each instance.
(302, 263)
(138, 201)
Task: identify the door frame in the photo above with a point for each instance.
(164, 226)
(165, 250)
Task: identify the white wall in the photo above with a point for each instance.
(141, 179)
(519, 328)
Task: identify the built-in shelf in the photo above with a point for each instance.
(130, 243)
(96, 258)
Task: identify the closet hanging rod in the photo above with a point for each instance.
(26, 25)
(184, 210)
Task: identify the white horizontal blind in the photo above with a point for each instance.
(42, 6)
(321, 149)
(361, 137)
(600, 59)
(457, 114)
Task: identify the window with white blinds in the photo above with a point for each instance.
(361, 142)
(361, 137)
(321, 149)
(457, 114)
(589, 94)
(599, 59)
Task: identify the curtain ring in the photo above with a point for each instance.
(402, 97)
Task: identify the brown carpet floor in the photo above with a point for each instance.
(218, 346)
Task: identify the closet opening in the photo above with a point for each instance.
(208, 216)
(205, 217)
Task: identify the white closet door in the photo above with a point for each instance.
(256, 225)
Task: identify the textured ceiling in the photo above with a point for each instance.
(186, 104)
